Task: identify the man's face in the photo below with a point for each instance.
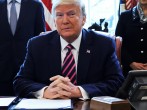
(143, 2)
(69, 21)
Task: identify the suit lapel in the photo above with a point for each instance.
(5, 15)
(22, 14)
(84, 57)
(55, 55)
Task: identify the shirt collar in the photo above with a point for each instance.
(18, 1)
(75, 44)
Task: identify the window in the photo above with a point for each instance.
(102, 9)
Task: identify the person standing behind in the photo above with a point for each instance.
(70, 62)
(132, 27)
(18, 23)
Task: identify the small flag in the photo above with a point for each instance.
(130, 4)
(47, 4)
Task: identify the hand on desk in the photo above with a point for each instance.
(138, 66)
(61, 87)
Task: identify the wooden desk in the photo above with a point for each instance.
(85, 105)
(81, 105)
(78, 105)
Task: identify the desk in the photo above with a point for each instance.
(78, 105)
(81, 105)
(85, 105)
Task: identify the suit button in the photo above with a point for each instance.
(141, 28)
(141, 51)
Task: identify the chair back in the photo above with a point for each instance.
(118, 41)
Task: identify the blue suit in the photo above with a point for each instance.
(98, 70)
(13, 48)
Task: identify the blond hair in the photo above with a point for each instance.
(79, 3)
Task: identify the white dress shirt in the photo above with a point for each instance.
(17, 5)
(75, 51)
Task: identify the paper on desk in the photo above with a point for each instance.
(6, 101)
(43, 104)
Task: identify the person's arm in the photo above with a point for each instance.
(24, 84)
(40, 19)
(120, 31)
(121, 27)
(112, 75)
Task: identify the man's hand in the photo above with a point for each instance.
(74, 91)
(145, 66)
(51, 92)
(61, 87)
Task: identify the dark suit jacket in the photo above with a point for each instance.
(98, 71)
(13, 48)
(134, 34)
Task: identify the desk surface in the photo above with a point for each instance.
(85, 105)
(77, 105)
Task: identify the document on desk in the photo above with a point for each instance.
(44, 104)
(6, 101)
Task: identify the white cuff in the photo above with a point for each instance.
(84, 94)
(39, 94)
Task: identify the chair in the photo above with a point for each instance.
(118, 41)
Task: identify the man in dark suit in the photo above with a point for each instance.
(30, 22)
(97, 67)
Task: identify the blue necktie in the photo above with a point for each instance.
(69, 66)
(13, 17)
